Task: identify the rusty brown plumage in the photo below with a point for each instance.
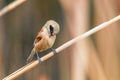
(45, 38)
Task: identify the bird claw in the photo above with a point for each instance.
(38, 58)
(54, 51)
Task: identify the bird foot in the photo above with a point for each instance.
(38, 58)
(54, 51)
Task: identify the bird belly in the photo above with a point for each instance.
(44, 44)
(41, 47)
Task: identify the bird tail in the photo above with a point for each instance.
(31, 55)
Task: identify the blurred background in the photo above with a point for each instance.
(94, 58)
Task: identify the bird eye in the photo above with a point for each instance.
(51, 28)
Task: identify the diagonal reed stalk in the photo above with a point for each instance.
(64, 46)
(11, 7)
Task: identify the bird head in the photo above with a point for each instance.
(52, 27)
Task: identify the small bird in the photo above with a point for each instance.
(45, 38)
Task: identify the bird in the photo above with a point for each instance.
(45, 39)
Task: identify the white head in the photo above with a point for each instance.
(52, 27)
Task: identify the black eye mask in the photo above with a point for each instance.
(51, 29)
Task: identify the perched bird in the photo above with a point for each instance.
(45, 38)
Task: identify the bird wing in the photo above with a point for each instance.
(38, 38)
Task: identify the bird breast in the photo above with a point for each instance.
(45, 42)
